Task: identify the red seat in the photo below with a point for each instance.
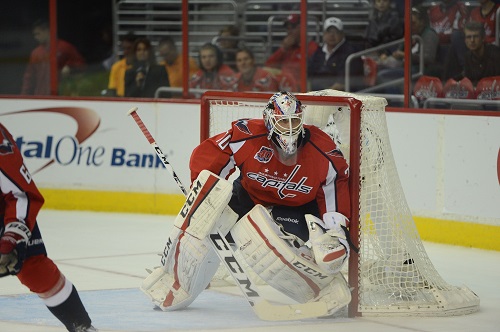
(462, 89)
(370, 68)
(428, 87)
(488, 88)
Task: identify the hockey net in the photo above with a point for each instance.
(392, 274)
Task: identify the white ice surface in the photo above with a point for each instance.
(105, 255)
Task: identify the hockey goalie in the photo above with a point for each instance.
(286, 215)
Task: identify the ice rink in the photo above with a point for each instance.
(105, 255)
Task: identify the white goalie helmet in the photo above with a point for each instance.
(284, 122)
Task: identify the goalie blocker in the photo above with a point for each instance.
(189, 260)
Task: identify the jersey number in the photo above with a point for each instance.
(25, 173)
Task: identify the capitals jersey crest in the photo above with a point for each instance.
(264, 154)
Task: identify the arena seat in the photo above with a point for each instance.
(428, 87)
(488, 88)
(462, 89)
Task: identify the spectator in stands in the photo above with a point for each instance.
(172, 60)
(36, 79)
(430, 41)
(250, 77)
(116, 83)
(327, 66)
(213, 73)
(228, 43)
(486, 14)
(384, 24)
(446, 17)
(145, 76)
(481, 59)
(287, 57)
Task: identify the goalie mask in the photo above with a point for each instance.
(284, 123)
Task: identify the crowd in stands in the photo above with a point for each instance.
(467, 48)
(455, 42)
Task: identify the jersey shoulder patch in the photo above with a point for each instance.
(324, 142)
(6, 146)
(246, 128)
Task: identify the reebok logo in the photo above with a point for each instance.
(288, 219)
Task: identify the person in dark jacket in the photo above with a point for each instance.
(481, 58)
(384, 24)
(145, 76)
(327, 67)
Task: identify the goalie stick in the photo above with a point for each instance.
(159, 152)
(264, 309)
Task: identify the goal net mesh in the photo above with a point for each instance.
(393, 274)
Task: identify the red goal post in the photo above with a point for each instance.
(392, 274)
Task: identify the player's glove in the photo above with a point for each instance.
(336, 226)
(328, 241)
(13, 245)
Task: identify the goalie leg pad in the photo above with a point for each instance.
(189, 261)
(188, 266)
(207, 200)
(336, 295)
(290, 270)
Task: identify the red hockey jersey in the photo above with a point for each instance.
(21, 199)
(489, 21)
(223, 79)
(289, 61)
(321, 172)
(262, 80)
(444, 19)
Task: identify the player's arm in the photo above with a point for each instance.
(329, 233)
(214, 155)
(333, 195)
(21, 200)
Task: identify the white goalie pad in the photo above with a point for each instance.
(206, 201)
(189, 265)
(290, 270)
(189, 261)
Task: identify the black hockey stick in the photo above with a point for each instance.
(262, 308)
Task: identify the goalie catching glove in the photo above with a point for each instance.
(327, 240)
(13, 245)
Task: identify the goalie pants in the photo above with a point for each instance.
(42, 276)
(290, 217)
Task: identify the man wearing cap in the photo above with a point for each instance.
(287, 57)
(326, 68)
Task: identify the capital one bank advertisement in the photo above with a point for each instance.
(89, 146)
(96, 145)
